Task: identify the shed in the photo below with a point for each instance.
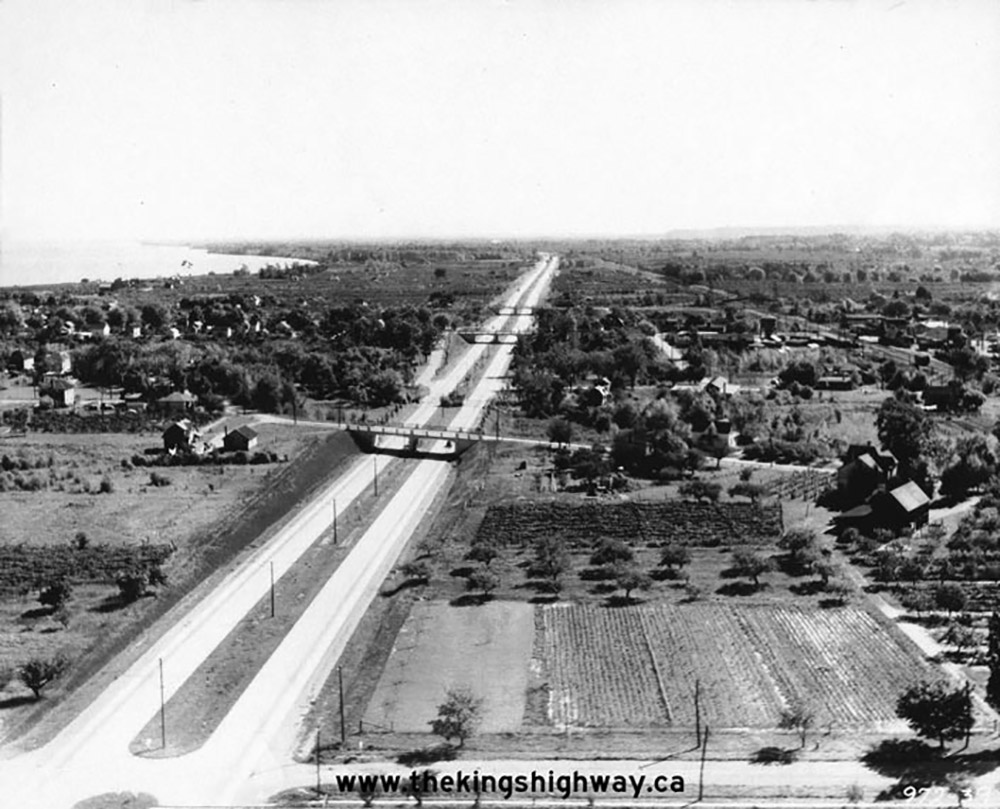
(181, 435)
(242, 438)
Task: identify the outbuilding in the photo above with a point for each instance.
(241, 439)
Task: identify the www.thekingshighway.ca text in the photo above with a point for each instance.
(424, 782)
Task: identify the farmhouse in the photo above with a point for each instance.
(863, 470)
(721, 386)
(242, 438)
(177, 402)
(61, 391)
(181, 435)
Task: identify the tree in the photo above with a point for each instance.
(458, 716)
(904, 430)
(936, 712)
(798, 718)
(39, 672)
(551, 560)
(154, 316)
(701, 490)
(754, 491)
(950, 597)
(839, 590)
(484, 580)
(482, 553)
(802, 547)
(11, 320)
(612, 552)
(131, 585)
(628, 577)
(559, 431)
(674, 556)
(975, 464)
(993, 661)
(416, 571)
(55, 594)
(750, 564)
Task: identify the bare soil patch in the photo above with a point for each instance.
(486, 647)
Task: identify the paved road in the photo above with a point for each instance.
(91, 755)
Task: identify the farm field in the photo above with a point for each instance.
(636, 667)
(487, 648)
(206, 515)
(581, 524)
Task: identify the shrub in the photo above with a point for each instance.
(131, 586)
(55, 594)
(107, 487)
(156, 479)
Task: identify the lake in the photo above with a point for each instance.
(30, 263)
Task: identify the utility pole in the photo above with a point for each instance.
(319, 787)
(697, 712)
(334, 520)
(272, 589)
(701, 770)
(343, 727)
(375, 466)
(163, 712)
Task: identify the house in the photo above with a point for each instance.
(177, 402)
(863, 471)
(835, 382)
(941, 397)
(21, 361)
(596, 392)
(241, 439)
(61, 391)
(181, 435)
(905, 505)
(720, 386)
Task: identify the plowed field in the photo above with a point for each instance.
(637, 666)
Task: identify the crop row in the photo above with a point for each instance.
(25, 566)
(700, 647)
(640, 665)
(680, 522)
(587, 651)
(839, 663)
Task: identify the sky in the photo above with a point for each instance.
(481, 118)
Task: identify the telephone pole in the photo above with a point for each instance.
(163, 712)
(343, 727)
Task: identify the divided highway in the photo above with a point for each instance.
(90, 755)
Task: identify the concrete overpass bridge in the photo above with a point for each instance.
(413, 442)
(515, 310)
(416, 442)
(492, 337)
